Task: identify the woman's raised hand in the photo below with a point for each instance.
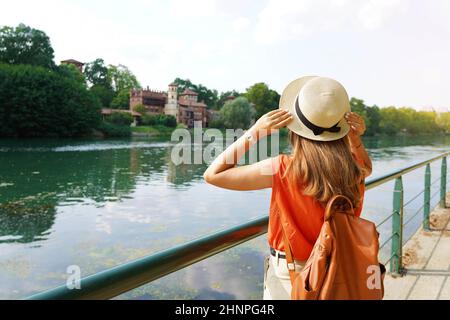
(271, 122)
(356, 123)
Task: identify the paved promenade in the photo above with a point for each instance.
(427, 260)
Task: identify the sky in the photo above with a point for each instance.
(386, 52)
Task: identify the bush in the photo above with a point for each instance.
(37, 102)
(160, 119)
(113, 130)
(149, 120)
(216, 123)
(237, 114)
(120, 119)
(121, 100)
(168, 121)
(141, 109)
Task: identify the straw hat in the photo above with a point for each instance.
(318, 105)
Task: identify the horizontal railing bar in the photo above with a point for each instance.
(372, 183)
(414, 198)
(414, 215)
(115, 281)
(393, 255)
(385, 220)
(435, 194)
(412, 235)
(438, 179)
(387, 240)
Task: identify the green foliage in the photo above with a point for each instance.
(140, 108)
(37, 102)
(209, 96)
(114, 130)
(105, 95)
(70, 71)
(24, 45)
(168, 121)
(408, 120)
(391, 120)
(120, 118)
(121, 78)
(443, 121)
(263, 98)
(224, 96)
(373, 115)
(237, 114)
(217, 123)
(110, 84)
(160, 119)
(96, 73)
(121, 100)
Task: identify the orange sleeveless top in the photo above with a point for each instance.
(302, 216)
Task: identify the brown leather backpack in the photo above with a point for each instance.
(343, 264)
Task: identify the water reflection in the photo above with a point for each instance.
(97, 204)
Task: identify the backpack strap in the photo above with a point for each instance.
(287, 250)
(287, 247)
(330, 203)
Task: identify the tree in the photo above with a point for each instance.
(358, 106)
(36, 102)
(208, 96)
(120, 118)
(263, 98)
(141, 109)
(121, 78)
(103, 93)
(24, 45)
(443, 121)
(237, 114)
(96, 73)
(390, 123)
(121, 100)
(374, 116)
(159, 119)
(184, 84)
(72, 72)
(224, 96)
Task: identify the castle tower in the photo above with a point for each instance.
(171, 107)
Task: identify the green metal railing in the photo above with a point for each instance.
(113, 282)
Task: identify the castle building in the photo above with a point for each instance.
(79, 65)
(185, 107)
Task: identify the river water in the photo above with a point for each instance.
(99, 203)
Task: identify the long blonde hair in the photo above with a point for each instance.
(325, 169)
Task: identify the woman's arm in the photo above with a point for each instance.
(223, 172)
(357, 129)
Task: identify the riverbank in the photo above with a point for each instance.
(153, 131)
(426, 259)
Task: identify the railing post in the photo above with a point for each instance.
(443, 181)
(426, 200)
(397, 228)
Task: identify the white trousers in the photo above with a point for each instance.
(277, 283)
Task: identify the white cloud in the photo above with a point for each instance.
(241, 24)
(438, 13)
(286, 19)
(374, 13)
(192, 8)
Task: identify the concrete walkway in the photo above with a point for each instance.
(426, 258)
